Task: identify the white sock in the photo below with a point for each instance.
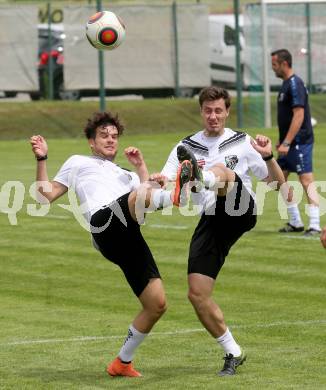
(294, 216)
(314, 218)
(228, 343)
(209, 179)
(132, 341)
(161, 198)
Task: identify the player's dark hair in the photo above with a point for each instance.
(101, 119)
(283, 55)
(214, 93)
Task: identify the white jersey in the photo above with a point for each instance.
(233, 149)
(96, 181)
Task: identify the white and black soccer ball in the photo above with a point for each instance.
(105, 30)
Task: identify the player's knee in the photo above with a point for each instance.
(218, 166)
(162, 307)
(306, 181)
(196, 297)
(159, 307)
(222, 174)
(145, 192)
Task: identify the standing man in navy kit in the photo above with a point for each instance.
(295, 141)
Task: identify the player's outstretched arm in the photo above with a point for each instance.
(136, 159)
(263, 145)
(46, 191)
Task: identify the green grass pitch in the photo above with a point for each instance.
(64, 310)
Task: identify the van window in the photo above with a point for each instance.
(229, 36)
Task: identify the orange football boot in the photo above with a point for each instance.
(118, 368)
(183, 177)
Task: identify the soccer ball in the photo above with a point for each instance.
(105, 30)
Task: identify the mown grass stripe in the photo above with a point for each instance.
(169, 333)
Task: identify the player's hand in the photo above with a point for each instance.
(134, 156)
(283, 150)
(262, 145)
(39, 146)
(159, 178)
(323, 237)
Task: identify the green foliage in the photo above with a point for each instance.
(57, 292)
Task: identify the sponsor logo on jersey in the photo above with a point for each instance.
(201, 162)
(231, 161)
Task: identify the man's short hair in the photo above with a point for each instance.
(102, 119)
(214, 93)
(283, 55)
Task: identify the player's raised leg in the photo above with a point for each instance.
(150, 196)
(218, 178)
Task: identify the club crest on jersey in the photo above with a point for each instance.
(231, 161)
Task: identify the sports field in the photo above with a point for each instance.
(65, 310)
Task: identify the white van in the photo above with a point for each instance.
(222, 37)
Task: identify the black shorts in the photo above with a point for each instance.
(122, 243)
(219, 228)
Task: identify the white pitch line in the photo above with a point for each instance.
(158, 334)
(175, 227)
